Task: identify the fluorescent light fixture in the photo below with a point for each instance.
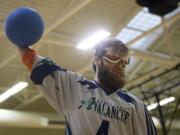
(162, 102)
(94, 39)
(13, 90)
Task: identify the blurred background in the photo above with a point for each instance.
(152, 32)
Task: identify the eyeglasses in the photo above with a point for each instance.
(123, 61)
(114, 55)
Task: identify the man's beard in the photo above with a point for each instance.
(110, 80)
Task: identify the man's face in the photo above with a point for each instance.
(111, 75)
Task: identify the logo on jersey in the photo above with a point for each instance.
(105, 108)
(47, 61)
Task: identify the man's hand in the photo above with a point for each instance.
(22, 50)
(28, 55)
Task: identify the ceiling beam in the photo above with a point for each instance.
(143, 77)
(7, 60)
(31, 100)
(136, 69)
(67, 13)
(56, 42)
(160, 58)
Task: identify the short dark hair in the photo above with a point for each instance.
(99, 48)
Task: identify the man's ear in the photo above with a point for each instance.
(96, 61)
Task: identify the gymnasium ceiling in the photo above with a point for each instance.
(67, 23)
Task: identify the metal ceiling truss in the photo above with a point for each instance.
(161, 90)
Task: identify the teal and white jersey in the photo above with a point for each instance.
(87, 108)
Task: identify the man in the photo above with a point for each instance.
(98, 107)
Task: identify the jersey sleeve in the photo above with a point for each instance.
(151, 129)
(143, 124)
(57, 84)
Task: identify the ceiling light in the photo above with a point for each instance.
(92, 40)
(13, 90)
(162, 102)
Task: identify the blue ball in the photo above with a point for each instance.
(24, 27)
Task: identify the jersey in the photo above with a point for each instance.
(87, 107)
